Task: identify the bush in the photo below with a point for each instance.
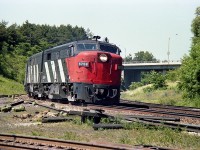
(148, 89)
(173, 75)
(155, 78)
(135, 85)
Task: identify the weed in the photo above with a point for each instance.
(105, 120)
(88, 120)
(129, 126)
(135, 85)
(168, 102)
(165, 94)
(36, 133)
(124, 138)
(148, 89)
(77, 121)
(70, 136)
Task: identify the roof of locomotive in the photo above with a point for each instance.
(63, 46)
(94, 41)
(80, 41)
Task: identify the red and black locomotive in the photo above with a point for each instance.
(88, 70)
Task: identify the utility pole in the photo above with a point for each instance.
(168, 52)
(125, 52)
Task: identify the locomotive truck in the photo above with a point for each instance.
(85, 71)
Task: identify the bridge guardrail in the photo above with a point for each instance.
(165, 61)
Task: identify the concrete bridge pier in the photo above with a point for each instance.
(131, 76)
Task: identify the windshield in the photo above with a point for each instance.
(83, 46)
(109, 48)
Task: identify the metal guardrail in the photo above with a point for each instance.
(158, 61)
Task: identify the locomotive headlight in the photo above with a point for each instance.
(103, 57)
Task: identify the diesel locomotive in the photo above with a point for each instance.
(86, 71)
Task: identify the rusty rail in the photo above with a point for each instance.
(19, 142)
(27, 142)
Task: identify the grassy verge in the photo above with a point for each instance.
(9, 87)
(169, 96)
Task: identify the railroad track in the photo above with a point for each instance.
(168, 109)
(150, 120)
(149, 109)
(19, 142)
(155, 109)
(176, 111)
(152, 105)
(126, 105)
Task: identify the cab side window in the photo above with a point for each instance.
(67, 52)
(70, 51)
(48, 56)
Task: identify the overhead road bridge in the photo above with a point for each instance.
(132, 71)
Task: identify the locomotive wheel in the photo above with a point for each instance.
(30, 94)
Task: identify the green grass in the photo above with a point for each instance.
(136, 135)
(169, 96)
(9, 87)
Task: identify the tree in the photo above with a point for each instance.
(128, 58)
(144, 56)
(17, 43)
(190, 68)
(89, 33)
(3, 35)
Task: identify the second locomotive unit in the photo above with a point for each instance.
(87, 70)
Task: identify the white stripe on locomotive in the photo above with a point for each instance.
(31, 73)
(54, 71)
(62, 75)
(34, 73)
(37, 75)
(47, 72)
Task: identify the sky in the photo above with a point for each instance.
(133, 25)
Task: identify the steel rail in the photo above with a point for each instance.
(161, 121)
(28, 142)
(173, 125)
(151, 110)
(142, 119)
(152, 105)
(166, 111)
(19, 142)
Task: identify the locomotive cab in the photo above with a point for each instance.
(95, 72)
